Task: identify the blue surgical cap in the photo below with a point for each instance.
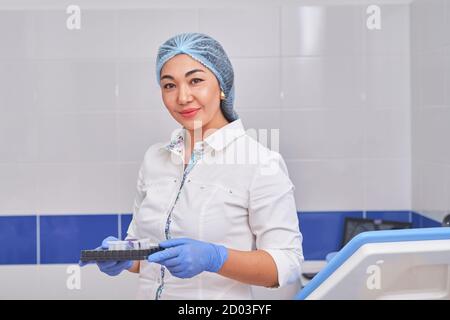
(208, 52)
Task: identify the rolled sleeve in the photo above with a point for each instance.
(273, 218)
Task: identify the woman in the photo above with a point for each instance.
(225, 222)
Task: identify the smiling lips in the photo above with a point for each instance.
(189, 113)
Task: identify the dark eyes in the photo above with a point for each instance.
(168, 86)
(194, 81)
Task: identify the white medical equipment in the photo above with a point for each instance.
(391, 264)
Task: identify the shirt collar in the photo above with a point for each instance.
(176, 143)
(218, 140)
(224, 136)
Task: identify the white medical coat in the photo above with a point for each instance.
(238, 195)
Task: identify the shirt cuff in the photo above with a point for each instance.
(288, 264)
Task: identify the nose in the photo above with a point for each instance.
(184, 95)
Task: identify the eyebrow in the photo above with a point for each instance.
(186, 75)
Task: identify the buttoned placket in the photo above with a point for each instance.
(176, 146)
(196, 156)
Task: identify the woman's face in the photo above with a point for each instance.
(190, 92)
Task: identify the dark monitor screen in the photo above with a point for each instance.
(355, 226)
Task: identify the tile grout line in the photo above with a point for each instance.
(119, 226)
(38, 239)
(117, 117)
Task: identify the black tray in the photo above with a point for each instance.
(117, 255)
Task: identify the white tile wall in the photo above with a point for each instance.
(393, 37)
(263, 125)
(322, 82)
(394, 175)
(99, 188)
(257, 83)
(94, 39)
(244, 31)
(433, 187)
(16, 34)
(322, 133)
(76, 188)
(435, 133)
(432, 79)
(67, 85)
(416, 26)
(128, 174)
(265, 119)
(50, 282)
(387, 133)
(137, 86)
(387, 83)
(447, 23)
(18, 137)
(335, 90)
(17, 83)
(327, 185)
(447, 75)
(416, 194)
(430, 22)
(447, 187)
(139, 130)
(141, 32)
(430, 15)
(77, 137)
(321, 30)
(18, 186)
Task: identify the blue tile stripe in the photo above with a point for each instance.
(63, 237)
(48, 239)
(322, 232)
(18, 238)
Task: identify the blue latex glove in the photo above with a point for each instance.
(111, 268)
(186, 258)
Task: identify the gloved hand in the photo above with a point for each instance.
(186, 258)
(111, 268)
